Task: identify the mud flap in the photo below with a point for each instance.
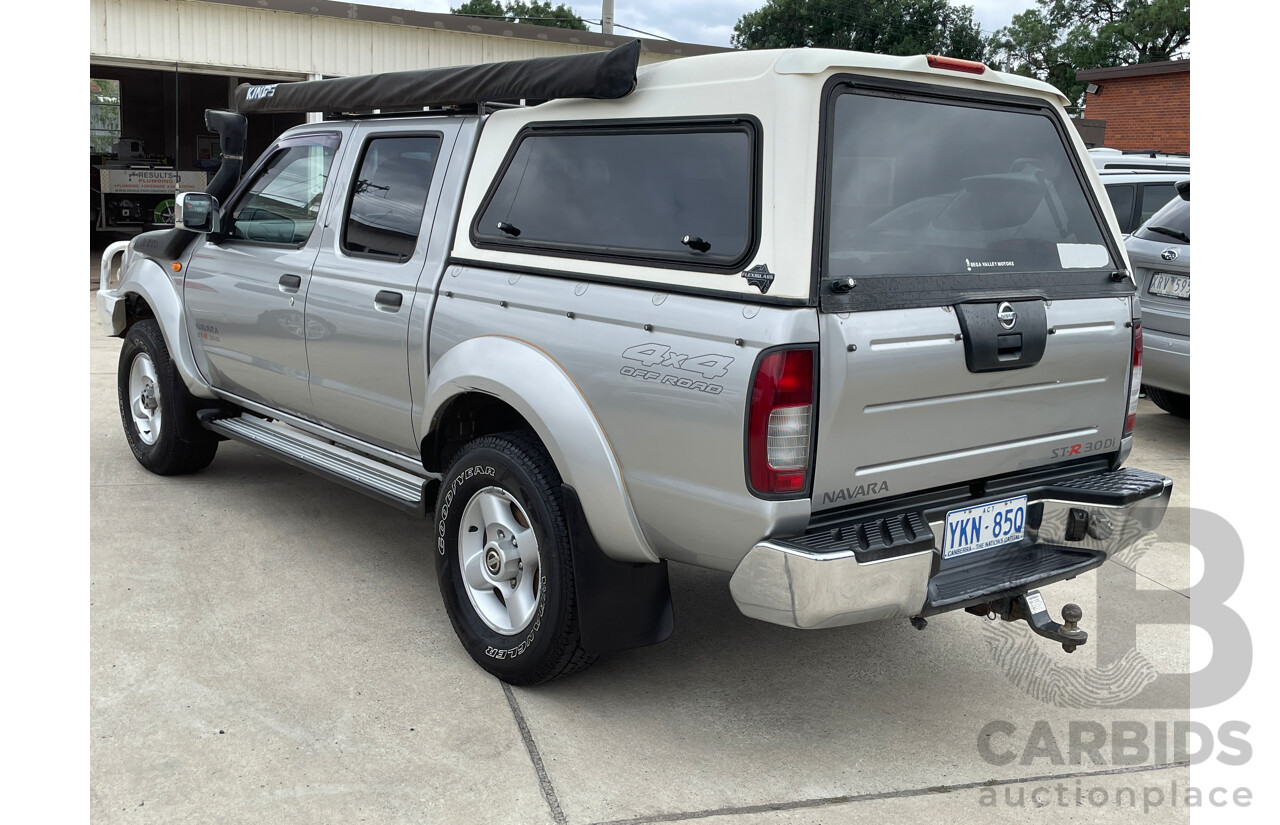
(621, 605)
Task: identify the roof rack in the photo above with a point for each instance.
(1153, 153)
(488, 107)
(600, 75)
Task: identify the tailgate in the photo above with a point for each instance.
(1164, 293)
(900, 410)
(974, 315)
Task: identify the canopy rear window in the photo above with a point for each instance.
(926, 187)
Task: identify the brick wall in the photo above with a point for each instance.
(1150, 112)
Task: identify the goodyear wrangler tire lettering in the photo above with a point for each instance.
(502, 550)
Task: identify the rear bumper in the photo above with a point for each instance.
(1166, 361)
(890, 566)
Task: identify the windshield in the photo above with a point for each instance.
(931, 188)
(1172, 224)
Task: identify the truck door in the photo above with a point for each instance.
(364, 283)
(245, 287)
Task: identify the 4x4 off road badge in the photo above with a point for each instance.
(1006, 315)
(759, 276)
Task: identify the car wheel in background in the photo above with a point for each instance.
(1171, 402)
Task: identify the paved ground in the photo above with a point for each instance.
(269, 647)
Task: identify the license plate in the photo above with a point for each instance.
(1170, 286)
(985, 526)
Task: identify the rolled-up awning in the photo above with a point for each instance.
(601, 75)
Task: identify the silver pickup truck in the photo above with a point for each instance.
(856, 329)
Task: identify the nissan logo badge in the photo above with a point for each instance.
(1005, 315)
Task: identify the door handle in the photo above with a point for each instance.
(290, 283)
(388, 301)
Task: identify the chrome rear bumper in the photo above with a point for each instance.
(783, 582)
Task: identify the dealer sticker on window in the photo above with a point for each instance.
(985, 526)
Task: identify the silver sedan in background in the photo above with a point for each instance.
(1160, 250)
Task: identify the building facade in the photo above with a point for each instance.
(156, 65)
(1144, 106)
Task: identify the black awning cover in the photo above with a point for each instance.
(601, 75)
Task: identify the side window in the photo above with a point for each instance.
(281, 204)
(1154, 196)
(104, 115)
(389, 196)
(1122, 201)
(656, 194)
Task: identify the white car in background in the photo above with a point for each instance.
(1113, 159)
(1136, 195)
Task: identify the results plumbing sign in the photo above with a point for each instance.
(150, 181)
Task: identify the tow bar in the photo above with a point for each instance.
(1029, 607)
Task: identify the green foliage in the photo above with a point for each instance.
(1060, 37)
(1143, 31)
(482, 8)
(104, 114)
(897, 27)
(535, 13)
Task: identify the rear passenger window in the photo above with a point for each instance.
(389, 196)
(1154, 196)
(683, 196)
(1122, 202)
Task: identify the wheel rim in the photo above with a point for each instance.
(164, 212)
(144, 398)
(498, 557)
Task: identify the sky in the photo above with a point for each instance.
(705, 21)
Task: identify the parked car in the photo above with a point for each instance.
(1105, 158)
(648, 320)
(1160, 251)
(1136, 195)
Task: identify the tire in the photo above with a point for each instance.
(1174, 403)
(502, 490)
(152, 397)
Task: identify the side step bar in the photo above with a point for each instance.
(401, 489)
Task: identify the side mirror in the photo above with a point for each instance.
(196, 212)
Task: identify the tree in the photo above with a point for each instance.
(482, 8)
(534, 13)
(1060, 37)
(1143, 30)
(884, 26)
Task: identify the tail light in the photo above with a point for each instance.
(955, 64)
(1135, 379)
(780, 423)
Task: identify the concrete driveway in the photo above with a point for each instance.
(268, 647)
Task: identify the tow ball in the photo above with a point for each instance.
(1029, 607)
